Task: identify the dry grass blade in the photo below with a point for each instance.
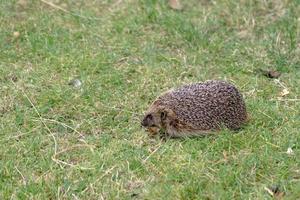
(151, 154)
(23, 178)
(40, 117)
(67, 11)
(54, 157)
(55, 6)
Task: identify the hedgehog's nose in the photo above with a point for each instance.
(144, 123)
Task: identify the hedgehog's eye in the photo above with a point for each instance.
(150, 117)
(163, 115)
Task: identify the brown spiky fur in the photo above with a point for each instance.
(196, 109)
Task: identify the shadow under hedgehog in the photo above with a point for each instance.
(196, 109)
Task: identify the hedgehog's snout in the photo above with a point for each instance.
(144, 122)
(147, 121)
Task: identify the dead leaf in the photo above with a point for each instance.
(275, 191)
(225, 156)
(284, 92)
(22, 3)
(16, 34)
(290, 151)
(243, 33)
(271, 73)
(175, 4)
(132, 185)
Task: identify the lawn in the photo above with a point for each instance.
(76, 77)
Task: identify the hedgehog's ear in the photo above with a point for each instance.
(163, 114)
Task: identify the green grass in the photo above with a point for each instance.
(61, 142)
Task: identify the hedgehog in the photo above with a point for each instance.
(196, 109)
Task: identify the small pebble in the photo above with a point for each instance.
(75, 83)
(274, 188)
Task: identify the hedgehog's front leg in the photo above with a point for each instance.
(171, 128)
(153, 131)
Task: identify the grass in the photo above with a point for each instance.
(62, 142)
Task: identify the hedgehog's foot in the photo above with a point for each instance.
(153, 131)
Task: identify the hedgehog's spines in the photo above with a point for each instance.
(199, 108)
